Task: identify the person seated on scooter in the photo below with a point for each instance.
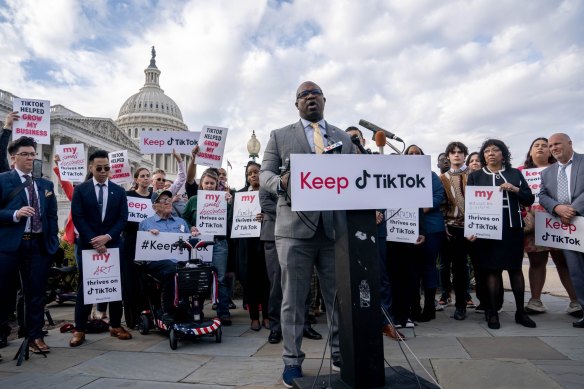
(164, 270)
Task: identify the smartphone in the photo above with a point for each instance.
(37, 168)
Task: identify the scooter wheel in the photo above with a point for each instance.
(144, 325)
(172, 339)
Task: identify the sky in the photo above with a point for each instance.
(430, 71)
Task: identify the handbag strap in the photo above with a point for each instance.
(14, 192)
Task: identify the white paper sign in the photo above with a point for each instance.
(245, 209)
(483, 212)
(551, 232)
(120, 172)
(73, 164)
(101, 276)
(161, 142)
(212, 144)
(533, 178)
(402, 225)
(150, 247)
(35, 120)
(211, 212)
(355, 181)
(139, 209)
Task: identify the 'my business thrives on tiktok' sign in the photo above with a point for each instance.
(351, 181)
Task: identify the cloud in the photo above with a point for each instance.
(430, 71)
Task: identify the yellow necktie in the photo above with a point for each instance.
(318, 143)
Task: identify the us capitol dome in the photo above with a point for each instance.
(151, 110)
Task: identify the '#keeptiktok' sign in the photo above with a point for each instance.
(483, 212)
(551, 232)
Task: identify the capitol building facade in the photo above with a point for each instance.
(148, 110)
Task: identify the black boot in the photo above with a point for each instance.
(429, 312)
(493, 320)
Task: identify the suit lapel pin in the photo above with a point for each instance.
(48, 193)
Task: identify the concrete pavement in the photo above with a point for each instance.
(458, 354)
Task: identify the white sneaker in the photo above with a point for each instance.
(410, 324)
(573, 307)
(437, 306)
(535, 306)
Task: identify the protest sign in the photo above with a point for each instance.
(483, 212)
(35, 120)
(139, 209)
(212, 144)
(163, 142)
(402, 225)
(245, 208)
(101, 276)
(72, 164)
(120, 167)
(150, 247)
(533, 178)
(211, 212)
(351, 181)
(551, 232)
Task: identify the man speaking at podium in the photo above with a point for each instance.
(304, 240)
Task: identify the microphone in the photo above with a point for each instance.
(357, 142)
(375, 129)
(380, 140)
(332, 147)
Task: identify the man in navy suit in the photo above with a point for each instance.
(29, 228)
(100, 212)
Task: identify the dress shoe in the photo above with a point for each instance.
(391, 332)
(275, 337)
(38, 346)
(120, 333)
(77, 339)
(459, 314)
(579, 323)
(225, 321)
(266, 324)
(255, 325)
(427, 314)
(310, 333)
(524, 320)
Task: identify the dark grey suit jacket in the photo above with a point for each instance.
(549, 186)
(283, 142)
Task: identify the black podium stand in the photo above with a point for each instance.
(361, 339)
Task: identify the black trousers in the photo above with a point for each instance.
(456, 248)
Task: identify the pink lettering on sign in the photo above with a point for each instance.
(101, 257)
(318, 183)
(153, 142)
(484, 193)
(214, 197)
(559, 226)
(248, 198)
(139, 206)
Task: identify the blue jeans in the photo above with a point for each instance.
(220, 264)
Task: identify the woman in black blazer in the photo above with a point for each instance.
(507, 253)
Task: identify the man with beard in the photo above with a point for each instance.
(303, 239)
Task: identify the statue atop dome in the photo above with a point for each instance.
(153, 60)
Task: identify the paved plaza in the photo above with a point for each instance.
(457, 354)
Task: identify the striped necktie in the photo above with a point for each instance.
(318, 142)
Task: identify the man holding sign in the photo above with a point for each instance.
(562, 195)
(303, 239)
(165, 269)
(100, 211)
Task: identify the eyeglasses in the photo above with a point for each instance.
(100, 168)
(164, 201)
(304, 94)
(27, 155)
(161, 179)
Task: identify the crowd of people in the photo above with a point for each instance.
(293, 259)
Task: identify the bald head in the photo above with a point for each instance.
(310, 101)
(560, 146)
